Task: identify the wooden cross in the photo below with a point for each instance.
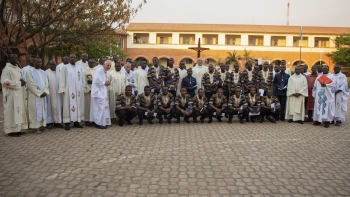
(199, 49)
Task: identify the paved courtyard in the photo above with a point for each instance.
(283, 159)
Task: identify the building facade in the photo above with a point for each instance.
(264, 42)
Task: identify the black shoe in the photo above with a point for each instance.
(326, 124)
(150, 121)
(261, 121)
(58, 125)
(283, 120)
(160, 121)
(177, 120)
(14, 134)
(169, 120)
(67, 127)
(247, 120)
(337, 123)
(316, 123)
(230, 120)
(121, 123)
(100, 127)
(77, 125)
(290, 120)
(195, 120)
(219, 120)
(140, 123)
(128, 122)
(88, 124)
(301, 122)
(241, 121)
(332, 122)
(210, 121)
(202, 120)
(187, 121)
(252, 120)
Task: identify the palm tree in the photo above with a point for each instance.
(247, 57)
(233, 57)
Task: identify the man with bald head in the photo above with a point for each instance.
(100, 113)
(198, 71)
(71, 87)
(54, 112)
(130, 77)
(84, 61)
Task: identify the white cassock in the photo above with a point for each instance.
(295, 107)
(71, 86)
(182, 74)
(341, 99)
(100, 113)
(87, 73)
(324, 99)
(198, 72)
(287, 71)
(112, 66)
(83, 65)
(58, 74)
(130, 76)
(141, 79)
(13, 98)
(37, 84)
(24, 75)
(118, 83)
(54, 111)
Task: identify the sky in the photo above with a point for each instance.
(335, 13)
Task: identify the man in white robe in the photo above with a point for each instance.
(115, 59)
(54, 111)
(71, 86)
(101, 61)
(296, 93)
(15, 119)
(38, 89)
(84, 61)
(198, 72)
(88, 75)
(141, 79)
(130, 77)
(182, 74)
(100, 113)
(324, 94)
(65, 60)
(118, 83)
(24, 74)
(341, 95)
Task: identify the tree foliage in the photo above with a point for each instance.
(233, 57)
(67, 25)
(342, 54)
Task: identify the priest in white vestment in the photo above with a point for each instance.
(88, 75)
(115, 59)
(341, 96)
(100, 113)
(296, 93)
(324, 95)
(118, 83)
(15, 119)
(65, 60)
(24, 74)
(141, 79)
(84, 61)
(71, 86)
(198, 72)
(54, 111)
(182, 74)
(38, 89)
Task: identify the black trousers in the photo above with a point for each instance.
(226, 94)
(266, 113)
(197, 113)
(179, 113)
(128, 115)
(231, 112)
(211, 111)
(141, 113)
(282, 100)
(173, 92)
(161, 114)
(246, 111)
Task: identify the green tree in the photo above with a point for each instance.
(233, 57)
(342, 54)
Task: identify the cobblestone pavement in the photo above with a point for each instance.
(218, 159)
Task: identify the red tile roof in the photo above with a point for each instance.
(234, 28)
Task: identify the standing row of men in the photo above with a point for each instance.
(76, 91)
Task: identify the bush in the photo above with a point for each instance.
(348, 81)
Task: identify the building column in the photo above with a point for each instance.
(221, 39)
(198, 35)
(176, 38)
(153, 38)
(267, 40)
(289, 41)
(244, 40)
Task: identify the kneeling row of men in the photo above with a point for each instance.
(167, 106)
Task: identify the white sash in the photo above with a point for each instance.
(74, 90)
(39, 104)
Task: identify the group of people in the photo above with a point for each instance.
(111, 93)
